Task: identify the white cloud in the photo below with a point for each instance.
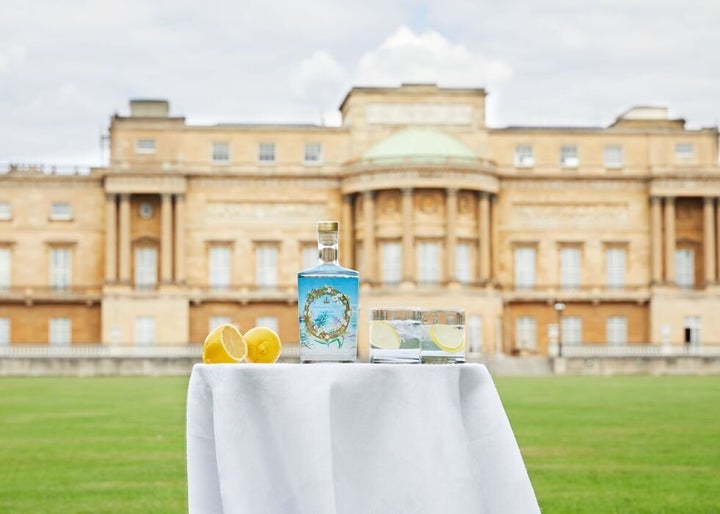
(11, 56)
(318, 73)
(64, 69)
(428, 57)
(404, 56)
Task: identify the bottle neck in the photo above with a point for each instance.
(328, 247)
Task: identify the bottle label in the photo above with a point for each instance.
(328, 313)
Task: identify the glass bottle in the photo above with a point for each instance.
(328, 303)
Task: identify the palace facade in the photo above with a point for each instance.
(612, 233)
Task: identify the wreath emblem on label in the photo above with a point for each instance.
(327, 315)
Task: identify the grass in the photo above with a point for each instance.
(619, 444)
(92, 445)
(591, 444)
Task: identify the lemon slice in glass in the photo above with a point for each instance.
(263, 345)
(225, 344)
(449, 338)
(383, 335)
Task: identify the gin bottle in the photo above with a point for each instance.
(327, 304)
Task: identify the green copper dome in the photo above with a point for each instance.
(419, 146)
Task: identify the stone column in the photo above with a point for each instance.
(346, 233)
(656, 238)
(179, 238)
(484, 247)
(111, 238)
(670, 240)
(451, 208)
(369, 235)
(408, 238)
(166, 239)
(124, 238)
(709, 239)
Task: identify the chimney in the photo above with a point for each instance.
(149, 108)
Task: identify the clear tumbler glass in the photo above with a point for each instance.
(395, 335)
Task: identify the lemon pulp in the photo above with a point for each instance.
(449, 338)
(263, 345)
(224, 344)
(383, 335)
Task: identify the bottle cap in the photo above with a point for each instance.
(328, 226)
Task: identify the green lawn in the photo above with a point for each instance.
(92, 445)
(591, 444)
(619, 444)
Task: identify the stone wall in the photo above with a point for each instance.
(680, 365)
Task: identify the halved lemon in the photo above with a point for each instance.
(449, 338)
(383, 335)
(224, 344)
(263, 345)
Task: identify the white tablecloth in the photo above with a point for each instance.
(351, 438)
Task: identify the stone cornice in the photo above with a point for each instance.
(421, 178)
(568, 183)
(685, 186)
(145, 184)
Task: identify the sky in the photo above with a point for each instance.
(67, 67)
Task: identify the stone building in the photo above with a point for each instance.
(189, 226)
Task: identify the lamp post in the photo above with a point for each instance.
(559, 308)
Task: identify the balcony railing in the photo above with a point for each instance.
(100, 351)
(641, 350)
(44, 169)
(589, 293)
(54, 293)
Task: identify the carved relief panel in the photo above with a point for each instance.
(429, 212)
(467, 215)
(389, 213)
(689, 219)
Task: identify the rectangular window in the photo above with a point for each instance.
(524, 267)
(145, 330)
(309, 256)
(60, 331)
(61, 211)
(270, 322)
(60, 268)
(613, 156)
(572, 330)
(685, 268)
(525, 333)
(313, 153)
(145, 146)
(616, 328)
(266, 152)
(615, 267)
(523, 156)
(463, 265)
(266, 267)
(220, 153)
(216, 321)
(691, 329)
(4, 331)
(391, 263)
(5, 211)
(570, 268)
(569, 156)
(475, 333)
(219, 267)
(684, 150)
(145, 268)
(428, 262)
(5, 272)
